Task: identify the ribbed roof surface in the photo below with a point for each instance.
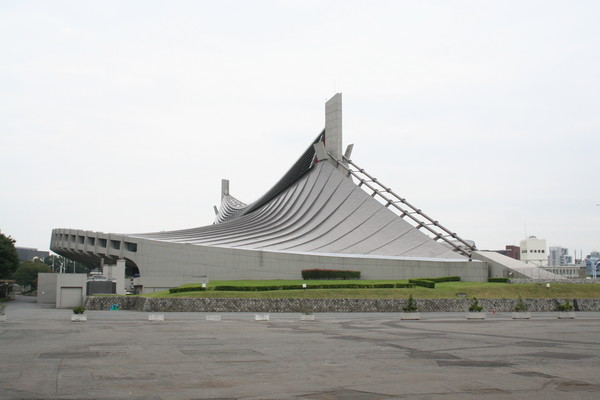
(319, 211)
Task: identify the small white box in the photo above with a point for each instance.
(475, 315)
(156, 317)
(566, 315)
(410, 315)
(261, 317)
(521, 315)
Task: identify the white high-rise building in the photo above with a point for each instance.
(533, 251)
(559, 257)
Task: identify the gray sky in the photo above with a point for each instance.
(123, 116)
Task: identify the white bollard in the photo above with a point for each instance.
(261, 317)
(156, 317)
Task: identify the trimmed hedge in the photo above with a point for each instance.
(187, 289)
(423, 282)
(499, 280)
(315, 286)
(256, 288)
(444, 279)
(430, 282)
(316, 274)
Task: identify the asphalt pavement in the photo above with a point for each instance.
(353, 356)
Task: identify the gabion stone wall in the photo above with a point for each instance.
(322, 305)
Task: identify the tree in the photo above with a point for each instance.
(475, 307)
(54, 262)
(27, 273)
(9, 259)
(410, 305)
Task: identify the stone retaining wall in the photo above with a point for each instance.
(322, 305)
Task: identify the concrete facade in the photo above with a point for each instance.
(533, 251)
(70, 290)
(316, 216)
(117, 273)
(46, 293)
(62, 290)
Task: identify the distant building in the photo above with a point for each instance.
(510, 251)
(533, 251)
(29, 253)
(513, 252)
(559, 257)
(592, 264)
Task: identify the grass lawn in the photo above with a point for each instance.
(442, 291)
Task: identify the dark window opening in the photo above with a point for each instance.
(131, 246)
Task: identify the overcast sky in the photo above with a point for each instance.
(123, 116)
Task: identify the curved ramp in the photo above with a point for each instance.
(500, 263)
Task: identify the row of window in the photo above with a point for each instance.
(91, 241)
(533, 251)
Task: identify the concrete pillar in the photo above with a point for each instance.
(116, 272)
(333, 126)
(224, 188)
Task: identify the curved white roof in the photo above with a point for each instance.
(322, 211)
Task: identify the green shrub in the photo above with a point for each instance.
(79, 310)
(340, 286)
(475, 307)
(383, 285)
(444, 279)
(187, 289)
(565, 307)
(315, 274)
(423, 282)
(410, 305)
(521, 306)
(256, 288)
(498, 280)
(306, 310)
(309, 286)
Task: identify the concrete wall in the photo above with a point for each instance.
(116, 272)
(46, 292)
(67, 286)
(165, 265)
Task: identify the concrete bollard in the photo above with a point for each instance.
(156, 317)
(261, 317)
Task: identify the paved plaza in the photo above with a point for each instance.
(122, 355)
